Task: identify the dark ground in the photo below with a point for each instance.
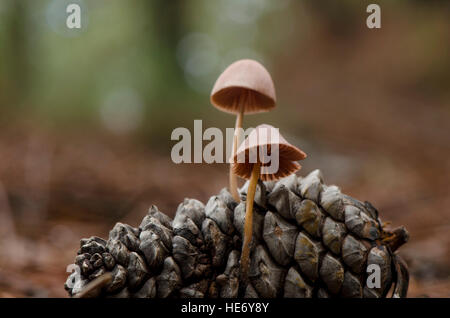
(82, 187)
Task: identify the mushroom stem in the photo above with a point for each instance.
(248, 227)
(236, 141)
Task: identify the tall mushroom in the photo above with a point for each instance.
(251, 162)
(245, 87)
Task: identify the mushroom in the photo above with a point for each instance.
(245, 87)
(251, 161)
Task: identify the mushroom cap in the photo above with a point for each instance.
(266, 137)
(244, 82)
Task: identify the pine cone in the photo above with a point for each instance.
(310, 240)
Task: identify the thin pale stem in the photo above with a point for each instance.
(248, 227)
(236, 142)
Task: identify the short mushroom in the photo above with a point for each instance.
(250, 162)
(245, 87)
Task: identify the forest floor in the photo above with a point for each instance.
(54, 192)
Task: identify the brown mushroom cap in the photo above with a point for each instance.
(267, 136)
(247, 83)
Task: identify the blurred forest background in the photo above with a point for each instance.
(86, 116)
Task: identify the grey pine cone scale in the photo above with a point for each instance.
(310, 240)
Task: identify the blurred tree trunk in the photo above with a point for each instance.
(168, 28)
(15, 65)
